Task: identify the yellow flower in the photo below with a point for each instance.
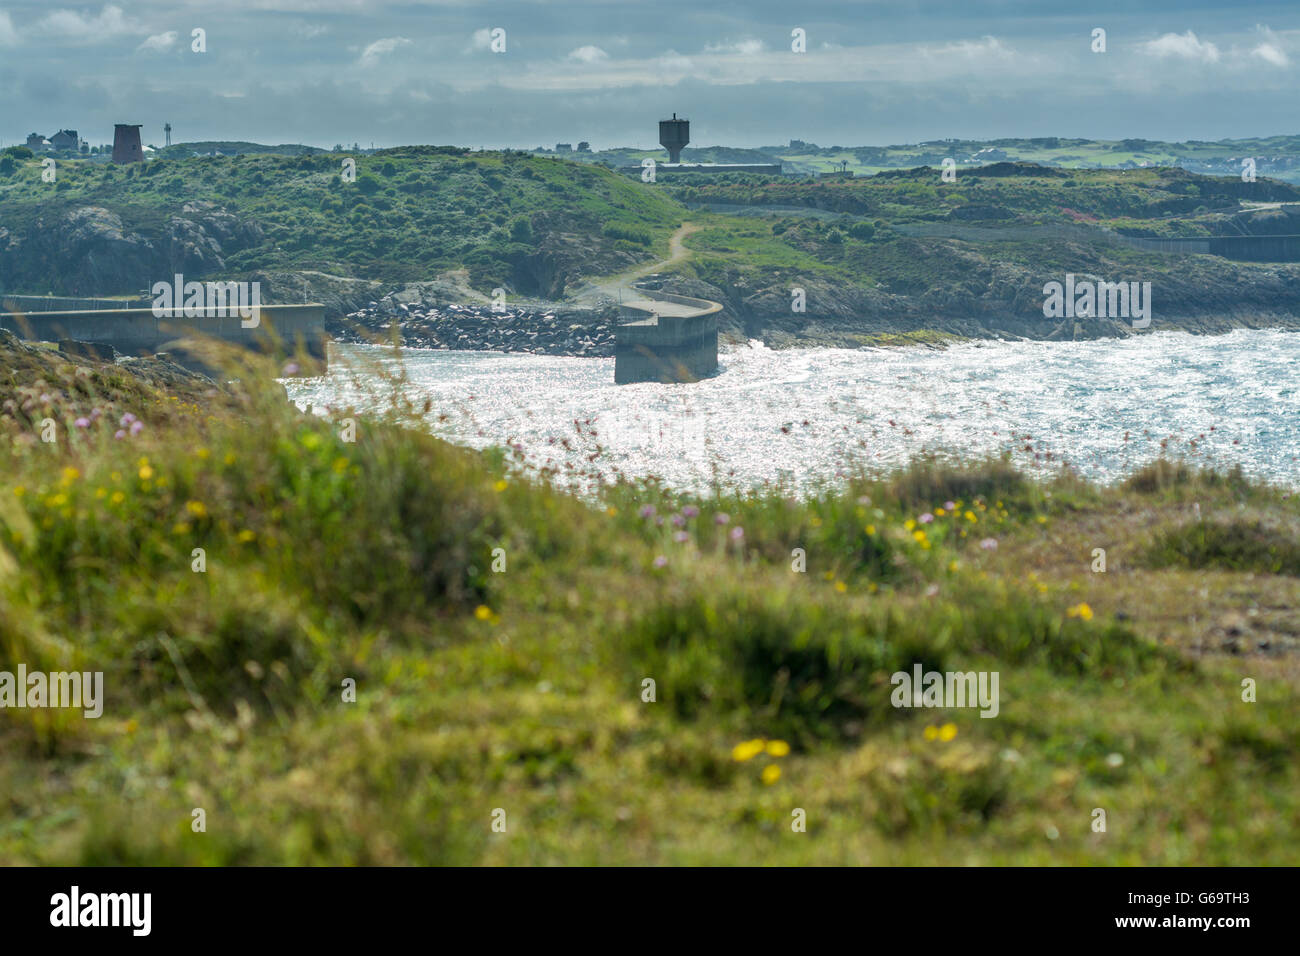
(230, 458)
(841, 586)
(483, 612)
(611, 511)
(748, 750)
(970, 516)
(501, 485)
(145, 473)
(203, 453)
(180, 527)
(931, 732)
(771, 774)
(246, 536)
(909, 524)
(919, 536)
(947, 732)
(1042, 519)
(56, 501)
(938, 512)
(101, 493)
(196, 508)
(777, 748)
(19, 491)
(1080, 610)
(871, 529)
(70, 475)
(815, 521)
(117, 498)
(952, 565)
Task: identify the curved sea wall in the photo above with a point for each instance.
(667, 348)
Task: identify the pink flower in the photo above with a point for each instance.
(82, 422)
(949, 506)
(290, 368)
(120, 433)
(127, 419)
(737, 533)
(678, 521)
(681, 537)
(989, 544)
(137, 427)
(647, 511)
(690, 511)
(661, 561)
(926, 518)
(721, 518)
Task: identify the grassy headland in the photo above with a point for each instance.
(520, 686)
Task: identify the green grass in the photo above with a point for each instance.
(523, 689)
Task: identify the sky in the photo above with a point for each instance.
(604, 71)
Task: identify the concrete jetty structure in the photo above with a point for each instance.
(281, 329)
(671, 338)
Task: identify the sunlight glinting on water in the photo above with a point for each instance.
(802, 416)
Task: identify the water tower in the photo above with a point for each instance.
(674, 134)
(126, 144)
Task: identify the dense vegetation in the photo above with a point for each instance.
(520, 686)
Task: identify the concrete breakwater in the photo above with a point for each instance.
(678, 342)
(580, 332)
(281, 329)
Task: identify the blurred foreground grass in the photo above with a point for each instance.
(522, 689)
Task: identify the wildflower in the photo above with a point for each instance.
(196, 508)
(931, 732)
(926, 518)
(841, 586)
(82, 422)
(989, 544)
(1080, 610)
(748, 750)
(119, 434)
(117, 498)
(678, 521)
(970, 516)
(501, 485)
(932, 590)
(245, 536)
(864, 501)
(919, 536)
(950, 506)
(938, 512)
(909, 524)
(290, 368)
(647, 511)
(145, 472)
(737, 533)
(690, 511)
(661, 562)
(771, 774)
(871, 529)
(777, 748)
(483, 612)
(611, 511)
(681, 537)
(1042, 519)
(137, 427)
(70, 475)
(947, 732)
(126, 420)
(721, 518)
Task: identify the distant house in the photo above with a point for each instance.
(584, 147)
(564, 147)
(66, 139)
(37, 141)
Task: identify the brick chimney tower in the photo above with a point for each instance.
(126, 144)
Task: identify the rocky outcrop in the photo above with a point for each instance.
(96, 254)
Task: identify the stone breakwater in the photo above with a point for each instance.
(581, 332)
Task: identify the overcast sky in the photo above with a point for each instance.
(423, 71)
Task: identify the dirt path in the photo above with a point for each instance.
(619, 287)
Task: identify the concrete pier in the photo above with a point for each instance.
(677, 347)
(282, 329)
